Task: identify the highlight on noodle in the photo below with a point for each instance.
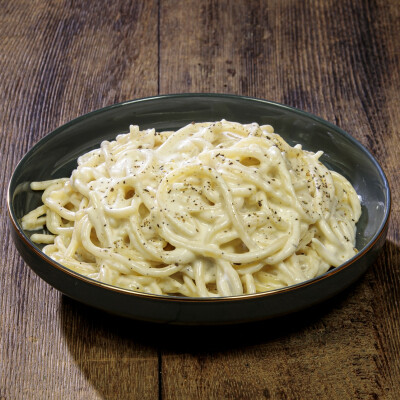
(213, 209)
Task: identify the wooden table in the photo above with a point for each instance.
(336, 59)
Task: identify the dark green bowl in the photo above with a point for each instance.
(55, 156)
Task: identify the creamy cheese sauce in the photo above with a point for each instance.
(213, 209)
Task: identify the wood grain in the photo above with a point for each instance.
(334, 62)
(60, 60)
(336, 59)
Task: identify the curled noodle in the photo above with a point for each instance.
(213, 209)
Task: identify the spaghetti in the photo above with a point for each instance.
(213, 209)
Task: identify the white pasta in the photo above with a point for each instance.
(213, 209)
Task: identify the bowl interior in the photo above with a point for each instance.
(56, 154)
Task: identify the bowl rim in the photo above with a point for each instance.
(18, 229)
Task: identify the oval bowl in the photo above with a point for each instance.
(56, 154)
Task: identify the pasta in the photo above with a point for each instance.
(213, 209)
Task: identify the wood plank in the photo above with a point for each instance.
(299, 356)
(338, 61)
(60, 60)
(385, 119)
